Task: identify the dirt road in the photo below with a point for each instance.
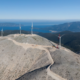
(27, 45)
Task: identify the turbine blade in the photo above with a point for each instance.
(63, 35)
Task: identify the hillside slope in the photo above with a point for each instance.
(32, 57)
(67, 64)
(70, 40)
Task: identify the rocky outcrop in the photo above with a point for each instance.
(67, 64)
(31, 57)
(18, 58)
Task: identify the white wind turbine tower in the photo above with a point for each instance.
(20, 29)
(32, 29)
(60, 40)
(2, 32)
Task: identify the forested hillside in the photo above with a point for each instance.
(70, 40)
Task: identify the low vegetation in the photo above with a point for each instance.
(70, 40)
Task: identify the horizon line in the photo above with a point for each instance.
(41, 19)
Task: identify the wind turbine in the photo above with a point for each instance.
(20, 29)
(2, 32)
(60, 40)
(32, 29)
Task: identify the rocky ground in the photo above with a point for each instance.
(67, 64)
(27, 57)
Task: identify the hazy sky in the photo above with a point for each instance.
(40, 9)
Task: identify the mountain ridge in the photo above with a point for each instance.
(71, 26)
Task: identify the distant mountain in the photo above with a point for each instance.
(72, 26)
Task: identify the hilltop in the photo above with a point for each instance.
(32, 57)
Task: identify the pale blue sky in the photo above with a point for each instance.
(40, 9)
